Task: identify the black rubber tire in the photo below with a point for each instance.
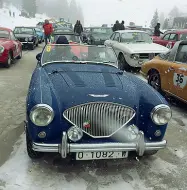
(152, 76)
(9, 61)
(32, 47)
(123, 65)
(37, 44)
(31, 153)
(20, 56)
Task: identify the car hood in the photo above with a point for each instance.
(3, 41)
(79, 84)
(23, 35)
(145, 48)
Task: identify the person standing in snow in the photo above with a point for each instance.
(48, 30)
(122, 25)
(117, 26)
(78, 27)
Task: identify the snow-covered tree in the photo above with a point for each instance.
(175, 12)
(155, 19)
(166, 23)
(29, 6)
(161, 19)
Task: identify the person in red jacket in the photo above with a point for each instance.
(48, 30)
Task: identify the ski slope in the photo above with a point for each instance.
(10, 22)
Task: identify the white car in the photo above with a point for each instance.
(133, 48)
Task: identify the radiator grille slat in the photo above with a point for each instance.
(99, 119)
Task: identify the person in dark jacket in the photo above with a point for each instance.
(157, 31)
(116, 26)
(78, 27)
(122, 25)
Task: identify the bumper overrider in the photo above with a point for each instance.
(140, 146)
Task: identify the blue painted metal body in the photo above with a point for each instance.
(40, 35)
(73, 86)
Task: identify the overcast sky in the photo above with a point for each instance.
(97, 12)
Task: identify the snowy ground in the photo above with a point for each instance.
(10, 22)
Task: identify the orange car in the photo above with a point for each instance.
(168, 72)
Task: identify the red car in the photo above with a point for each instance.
(10, 47)
(169, 38)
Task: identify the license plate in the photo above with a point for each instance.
(100, 155)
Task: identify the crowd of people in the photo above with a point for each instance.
(118, 26)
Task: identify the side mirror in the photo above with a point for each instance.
(38, 56)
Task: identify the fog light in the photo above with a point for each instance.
(42, 134)
(75, 134)
(158, 133)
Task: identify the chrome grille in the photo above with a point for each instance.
(99, 119)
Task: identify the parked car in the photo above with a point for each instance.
(86, 108)
(71, 36)
(27, 36)
(133, 48)
(10, 47)
(171, 37)
(98, 35)
(167, 73)
(40, 34)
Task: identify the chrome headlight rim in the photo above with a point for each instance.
(158, 107)
(45, 106)
(135, 56)
(2, 49)
(30, 39)
(78, 130)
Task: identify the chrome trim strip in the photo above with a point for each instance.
(175, 96)
(140, 146)
(27, 42)
(108, 122)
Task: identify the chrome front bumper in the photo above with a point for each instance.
(140, 146)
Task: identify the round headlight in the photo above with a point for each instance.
(135, 56)
(41, 115)
(75, 134)
(26, 39)
(161, 114)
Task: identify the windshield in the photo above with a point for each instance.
(78, 54)
(4, 34)
(63, 30)
(23, 31)
(183, 37)
(135, 37)
(70, 38)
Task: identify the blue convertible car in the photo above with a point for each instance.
(82, 106)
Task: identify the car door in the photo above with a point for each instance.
(172, 40)
(16, 45)
(115, 41)
(165, 39)
(110, 41)
(179, 74)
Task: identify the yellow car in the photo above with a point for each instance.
(168, 72)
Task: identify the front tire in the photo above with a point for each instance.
(32, 47)
(123, 65)
(155, 81)
(31, 153)
(9, 60)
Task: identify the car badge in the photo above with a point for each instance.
(86, 124)
(99, 95)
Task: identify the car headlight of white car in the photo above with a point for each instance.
(135, 56)
(30, 39)
(75, 133)
(161, 114)
(2, 49)
(41, 115)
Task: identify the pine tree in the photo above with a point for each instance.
(73, 12)
(155, 19)
(30, 7)
(165, 25)
(1, 4)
